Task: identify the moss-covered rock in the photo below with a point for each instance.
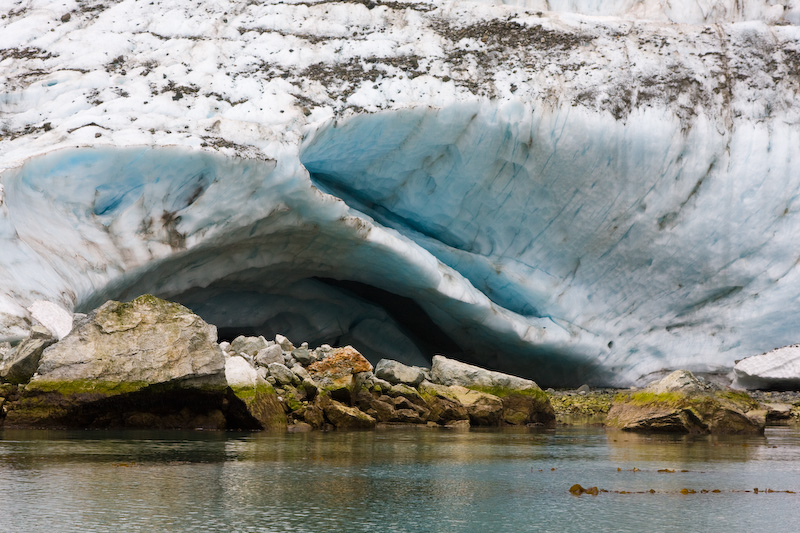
(522, 406)
(261, 403)
(686, 408)
(86, 404)
(584, 408)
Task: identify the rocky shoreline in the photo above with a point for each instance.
(150, 363)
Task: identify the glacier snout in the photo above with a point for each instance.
(547, 243)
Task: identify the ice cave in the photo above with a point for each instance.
(547, 190)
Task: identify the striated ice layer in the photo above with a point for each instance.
(571, 197)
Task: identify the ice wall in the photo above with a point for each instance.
(568, 196)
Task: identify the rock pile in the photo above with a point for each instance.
(338, 388)
(153, 363)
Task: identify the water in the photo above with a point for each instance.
(395, 480)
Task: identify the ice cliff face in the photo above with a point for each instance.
(591, 193)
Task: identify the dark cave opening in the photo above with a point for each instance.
(320, 310)
(418, 326)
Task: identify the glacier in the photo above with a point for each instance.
(573, 191)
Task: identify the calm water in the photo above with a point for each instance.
(395, 480)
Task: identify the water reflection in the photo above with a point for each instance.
(394, 480)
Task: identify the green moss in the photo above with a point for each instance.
(588, 405)
(86, 386)
(739, 398)
(502, 392)
(293, 403)
(643, 398)
(250, 393)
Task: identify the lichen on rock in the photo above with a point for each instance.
(679, 403)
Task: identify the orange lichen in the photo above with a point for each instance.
(341, 361)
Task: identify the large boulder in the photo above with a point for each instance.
(138, 343)
(147, 362)
(20, 364)
(778, 369)
(396, 372)
(451, 372)
(679, 403)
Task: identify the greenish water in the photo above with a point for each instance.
(396, 480)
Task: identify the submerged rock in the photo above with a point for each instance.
(778, 369)
(679, 403)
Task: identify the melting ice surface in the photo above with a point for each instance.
(544, 220)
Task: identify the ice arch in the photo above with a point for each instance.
(554, 243)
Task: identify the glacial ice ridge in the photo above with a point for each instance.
(570, 197)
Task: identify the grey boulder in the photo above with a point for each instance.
(451, 372)
(145, 341)
(396, 372)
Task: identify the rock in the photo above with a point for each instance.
(778, 411)
(314, 415)
(380, 407)
(239, 372)
(451, 372)
(145, 341)
(679, 403)
(300, 372)
(344, 417)
(303, 355)
(281, 373)
(254, 407)
(527, 407)
(396, 372)
(52, 316)
(338, 369)
(300, 427)
(249, 346)
(482, 409)
(379, 385)
(152, 353)
(778, 369)
(584, 389)
(405, 391)
(20, 364)
(458, 424)
(285, 344)
(678, 381)
(270, 354)
(310, 388)
(444, 408)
